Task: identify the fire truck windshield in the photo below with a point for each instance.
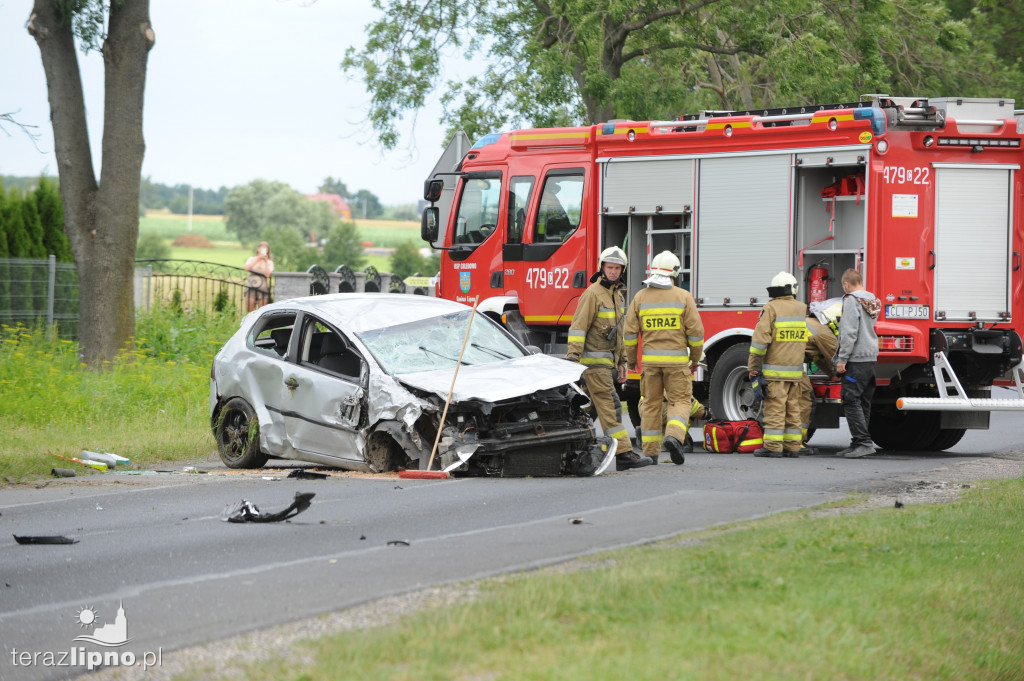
(478, 209)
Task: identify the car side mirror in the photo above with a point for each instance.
(429, 224)
(432, 189)
(534, 350)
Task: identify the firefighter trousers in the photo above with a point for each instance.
(675, 384)
(600, 383)
(782, 416)
(806, 406)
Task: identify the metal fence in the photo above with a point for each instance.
(37, 290)
(46, 291)
(194, 284)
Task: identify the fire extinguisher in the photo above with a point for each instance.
(819, 284)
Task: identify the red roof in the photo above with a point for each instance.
(338, 203)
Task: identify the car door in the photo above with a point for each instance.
(322, 397)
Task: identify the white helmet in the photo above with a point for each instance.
(613, 254)
(665, 263)
(783, 284)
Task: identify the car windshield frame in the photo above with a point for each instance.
(434, 343)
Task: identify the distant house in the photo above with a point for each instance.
(341, 209)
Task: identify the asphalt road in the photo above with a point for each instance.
(156, 546)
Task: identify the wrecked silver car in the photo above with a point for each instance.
(360, 381)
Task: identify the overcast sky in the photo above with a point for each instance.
(236, 90)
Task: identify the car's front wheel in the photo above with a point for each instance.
(237, 433)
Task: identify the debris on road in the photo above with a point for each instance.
(246, 512)
(62, 472)
(303, 474)
(110, 459)
(44, 539)
(98, 465)
(398, 542)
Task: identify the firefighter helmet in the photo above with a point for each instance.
(613, 254)
(782, 284)
(665, 263)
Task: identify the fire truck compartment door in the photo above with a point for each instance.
(840, 156)
(972, 240)
(646, 186)
(743, 226)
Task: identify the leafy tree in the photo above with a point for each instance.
(332, 186)
(51, 214)
(5, 253)
(100, 217)
(406, 260)
(343, 247)
(33, 228)
(572, 62)
(19, 245)
(365, 204)
(19, 241)
(250, 209)
(151, 246)
(291, 252)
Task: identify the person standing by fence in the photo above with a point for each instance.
(257, 286)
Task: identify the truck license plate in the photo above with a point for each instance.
(908, 312)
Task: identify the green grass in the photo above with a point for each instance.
(159, 392)
(923, 593)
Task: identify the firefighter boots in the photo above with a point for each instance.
(631, 459)
(675, 450)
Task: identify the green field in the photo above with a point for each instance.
(228, 251)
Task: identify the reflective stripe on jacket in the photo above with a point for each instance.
(667, 324)
(780, 340)
(598, 312)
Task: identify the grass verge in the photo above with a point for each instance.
(926, 592)
(150, 404)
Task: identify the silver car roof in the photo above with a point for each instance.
(355, 312)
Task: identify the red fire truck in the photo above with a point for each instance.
(922, 196)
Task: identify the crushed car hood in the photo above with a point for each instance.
(498, 380)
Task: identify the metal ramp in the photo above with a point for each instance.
(947, 383)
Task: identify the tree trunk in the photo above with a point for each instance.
(101, 221)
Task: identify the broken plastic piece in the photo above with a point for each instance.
(246, 512)
(110, 459)
(398, 542)
(98, 465)
(423, 475)
(45, 539)
(303, 474)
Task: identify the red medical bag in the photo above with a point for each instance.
(733, 436)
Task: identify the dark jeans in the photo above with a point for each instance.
(858, 388)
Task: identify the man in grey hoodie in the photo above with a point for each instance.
(855, 361)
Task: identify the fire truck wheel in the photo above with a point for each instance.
(731, 395)
(947, 437)
(893, 429)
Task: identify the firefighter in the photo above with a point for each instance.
(697, 413)
(596, 342)
(663, 319)
(822, 344)
(777, 353)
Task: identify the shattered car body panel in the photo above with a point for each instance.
(359, 381)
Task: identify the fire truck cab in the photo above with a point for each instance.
(922, 196)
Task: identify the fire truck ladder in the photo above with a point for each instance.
(945, 379)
